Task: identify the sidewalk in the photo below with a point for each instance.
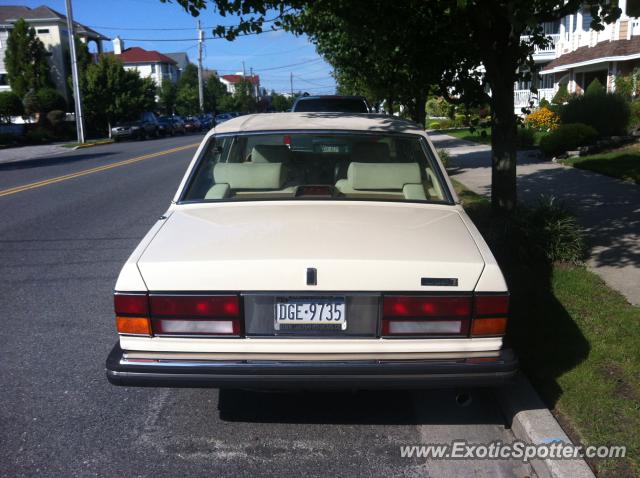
(9, 155)
(608, 208)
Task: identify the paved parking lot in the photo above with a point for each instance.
(62, 244)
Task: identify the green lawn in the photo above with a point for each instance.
(483, 135)
(623, 163)
(480, 135)
(579, 344)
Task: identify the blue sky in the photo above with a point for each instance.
(269, 54)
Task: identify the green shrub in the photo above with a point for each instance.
(595, 88)
(608, 113)
(544, 103)
(39, 135)
(445, 157)
(526, 137)
(8, 139)
(437, 106)
(634, 118)
(441, 124)
(567, 137)
(10, 105)
(49, 99)
(549, 231)
(561, 96)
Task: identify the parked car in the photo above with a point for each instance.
(146, 126)
(351, 265)
(331, 104)
(178, 125)
(192, 124)
(166, 126)
(222, 117)
(206, 121)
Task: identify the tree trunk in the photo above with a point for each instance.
(109, 128)
(503, 147)
(420, 115)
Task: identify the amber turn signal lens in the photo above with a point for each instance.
(489, 326)
(133, 325)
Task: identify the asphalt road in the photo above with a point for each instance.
(62, 244)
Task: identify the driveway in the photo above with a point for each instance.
(608, 208)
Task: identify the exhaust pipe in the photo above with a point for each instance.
(463, 399)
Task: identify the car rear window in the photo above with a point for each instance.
(331, 105)
(316, 166)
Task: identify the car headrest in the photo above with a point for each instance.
(270, 153)
(370, 152)
(250, 175)
(383, 175)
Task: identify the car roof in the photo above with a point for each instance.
(323, 121)
(329, 97)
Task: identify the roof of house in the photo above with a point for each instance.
(253, 79)
(181, 58)
(603, 51)
(11, 13)
(140, 55)
(319, 121)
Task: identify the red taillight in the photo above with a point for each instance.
(491, 311)
(195, 306)
(424, 315)
(132, 313)
(443, 307)
(142, 314)
(131, 304)
(482, 315)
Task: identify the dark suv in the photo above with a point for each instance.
(146, 126)
(331, 104)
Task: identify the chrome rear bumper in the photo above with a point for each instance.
(452, 370)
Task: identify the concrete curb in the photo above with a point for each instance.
(532, 422)
(91, 145)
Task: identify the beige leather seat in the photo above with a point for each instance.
(372, 179)
(268, 153)
(245, 176)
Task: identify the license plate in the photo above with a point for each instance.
(310, 313)
(325, 148)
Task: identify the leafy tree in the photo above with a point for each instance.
(49, 99)
(111, 93)
(214, 91)
(26, 60)
(10, 105)
(167, 94)
(417, 42)
(281, 102)
(187, 97)
(187, 100)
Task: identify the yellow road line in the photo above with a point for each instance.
(46, 182)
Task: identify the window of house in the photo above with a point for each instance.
(3, 79)
(43, 31)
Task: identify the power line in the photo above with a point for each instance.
(205, 38)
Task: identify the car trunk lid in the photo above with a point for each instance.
(353, 246)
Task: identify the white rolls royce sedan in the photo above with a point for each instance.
(312, 250)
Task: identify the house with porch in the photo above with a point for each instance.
(51, 29)
(577, 55)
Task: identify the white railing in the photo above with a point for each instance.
(550, 48)
(522, 98)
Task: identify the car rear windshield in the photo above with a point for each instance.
(331, 105)
(333, 166)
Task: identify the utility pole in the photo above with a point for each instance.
(74, 75)
(200, 86)
(254, 89)
(243, 70)
(291, 81)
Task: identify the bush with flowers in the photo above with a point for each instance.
(542, 119)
